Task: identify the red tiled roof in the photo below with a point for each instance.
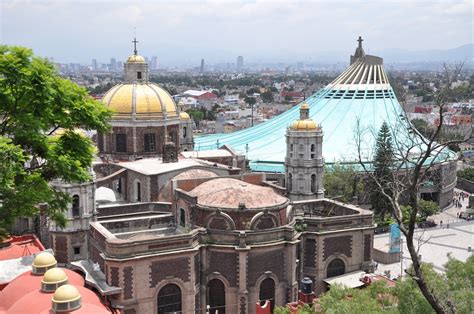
(24, 295)
(21, 246)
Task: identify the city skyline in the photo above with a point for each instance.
(183, 32)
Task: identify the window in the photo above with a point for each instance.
(216, 296)
(149, 142)
(267, 292)
(185, 131)
(182, 217)
(138, 191)
(312, 147)
(120, 143)
(139, 75)
(313, 183)
(76, 211)
(77, 250)
(169, 299)
(335, 268)
(290, 181)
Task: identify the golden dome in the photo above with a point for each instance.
(184, 116)
(304, 106)
(304, 125)
(142, 101)
(54, 275)
(66, 293)
(136, 59)
(44, 259)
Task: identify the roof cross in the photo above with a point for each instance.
(135, 41)
(360, 40)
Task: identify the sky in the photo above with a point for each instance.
(184, 31)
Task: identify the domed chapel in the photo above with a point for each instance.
(144, 116)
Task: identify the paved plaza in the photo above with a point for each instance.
(453, 237)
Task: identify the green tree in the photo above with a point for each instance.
(250, 100)
(422, 126)
(267, 96)
(35, 104)
(341, 182)
(383, 164)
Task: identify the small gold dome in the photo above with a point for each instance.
(184, 116)
(66, 293)
(54, 275)
(304, 125)
(304, 106)
(136, 59)
(44, 259)
(142, 101)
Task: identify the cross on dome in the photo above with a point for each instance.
(135, 41)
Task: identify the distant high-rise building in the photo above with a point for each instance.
(240, 64)
(201, 70)
(154, 63)
(113, 65)
(94, 64)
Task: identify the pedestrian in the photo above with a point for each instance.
(441, 224)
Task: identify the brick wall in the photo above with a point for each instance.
(176, 267)
(334, 245)
(260, 262)
(367, 247)
(128, 282)
(225, 263)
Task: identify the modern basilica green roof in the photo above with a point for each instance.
(356, 103)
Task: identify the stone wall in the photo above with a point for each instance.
(465, 185)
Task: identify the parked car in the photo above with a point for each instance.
(467, 215)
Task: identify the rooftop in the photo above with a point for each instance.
(230, 193)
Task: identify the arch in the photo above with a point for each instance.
(169, 299)
(220, 220)
(76, 203)
(336, 267)
(290, 181)
(185, 131)
(312, 147)
(182, 217)
(267, 292)
(313, 183)
(216, 295)
(137, 190)
(263, 220)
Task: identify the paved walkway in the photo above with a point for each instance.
(453, 237)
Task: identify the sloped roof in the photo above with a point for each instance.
(361, 96)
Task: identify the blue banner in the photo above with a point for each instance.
(395, 239)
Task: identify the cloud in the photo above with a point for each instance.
(219, 30)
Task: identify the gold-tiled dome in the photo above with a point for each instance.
(136, 59)
(144, 101)
(304, 125)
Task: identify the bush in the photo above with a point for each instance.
(467, 174)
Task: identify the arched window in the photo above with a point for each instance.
(336, 268)
(76, 210)
(312, 147)
(185, 131)
(216, 296)
(120, 143)
(313, 183)
(138, 191)
(290, 181)
(267, 292)
(169, 299)
(182, 217)
(149, 142)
